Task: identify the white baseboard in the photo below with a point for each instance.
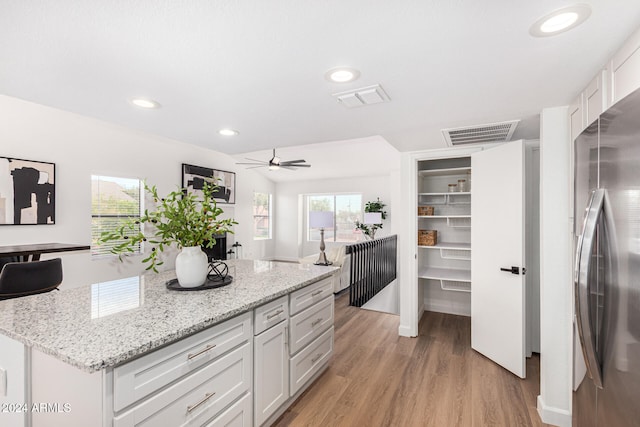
(554, 416)
(405, 331)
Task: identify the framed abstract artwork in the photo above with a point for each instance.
(27, 192)
(194, 177)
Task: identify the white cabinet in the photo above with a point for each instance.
(271, 371)
(240, 414)
(145, 375)
(229, 374)
(306, 326)
(444, 269)
(625, 69)
(290, 354)
(198, 397)
(594, 98)
(310, 360)
(576, 121)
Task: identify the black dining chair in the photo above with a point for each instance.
(18, 279)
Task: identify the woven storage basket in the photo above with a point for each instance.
(427, 237)
(425, 210)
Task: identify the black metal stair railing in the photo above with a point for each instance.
(373, 266)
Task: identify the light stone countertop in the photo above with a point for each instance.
(105, 324)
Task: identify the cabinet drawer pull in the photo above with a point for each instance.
(204, 350)
(277, 313)
(204, 399)
(316, 293)
(316, 358)
(315, 322)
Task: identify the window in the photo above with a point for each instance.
(113, 202)
(346, 208)
(261, 216)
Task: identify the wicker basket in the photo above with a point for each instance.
(425, 210)
(427, 237)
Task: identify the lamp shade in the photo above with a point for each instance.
(373, 217)
(320, 219)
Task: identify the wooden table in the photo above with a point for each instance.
(32, 252)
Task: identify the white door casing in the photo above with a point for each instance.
(497, 240)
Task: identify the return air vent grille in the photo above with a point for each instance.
(493, 132)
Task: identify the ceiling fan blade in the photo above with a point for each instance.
(292, 161)
(253, 163)
(255, 167)
(255, 160)
(298, 166)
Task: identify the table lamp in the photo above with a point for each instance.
(373, 219)
(321, 220)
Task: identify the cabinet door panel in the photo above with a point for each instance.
(625, 69)
(271, 372)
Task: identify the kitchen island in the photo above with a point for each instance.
(130, 352)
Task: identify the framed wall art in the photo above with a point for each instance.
(27, 192)
(194, 177)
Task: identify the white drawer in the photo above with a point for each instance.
(141, 377)
(270, 314)
(198, 397)
(309, 295)
(309, 324)
(310, 360)
(238, 415)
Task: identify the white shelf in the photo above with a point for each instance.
(444, 216)
(444, 245)
(448, 193)
(444, 172)
(451, 274)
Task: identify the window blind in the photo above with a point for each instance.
(114, 201)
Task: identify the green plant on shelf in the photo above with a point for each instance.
(370, 229)
(180, 218)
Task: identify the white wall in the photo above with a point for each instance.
(81, 146)
(556, 340)
(289, 216)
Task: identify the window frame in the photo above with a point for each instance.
(268, 216)
(330, 237)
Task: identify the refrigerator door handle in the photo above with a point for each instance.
(582, 300)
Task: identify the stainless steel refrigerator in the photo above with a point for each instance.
(607, 269)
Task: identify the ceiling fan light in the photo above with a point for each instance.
(274, 167)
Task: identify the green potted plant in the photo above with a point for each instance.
(370, 229)
(180, 219)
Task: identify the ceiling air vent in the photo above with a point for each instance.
(492, 132)
(363, 96)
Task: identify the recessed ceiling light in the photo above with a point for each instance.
(342, 74)
(228, 132)
(560, 21)
(145, 103)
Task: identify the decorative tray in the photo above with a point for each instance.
(210, 283)
(217, 277)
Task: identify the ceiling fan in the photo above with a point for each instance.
(276, 163)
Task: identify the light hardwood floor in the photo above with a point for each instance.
(377, 378)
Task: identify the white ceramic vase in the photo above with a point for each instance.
(191, 267)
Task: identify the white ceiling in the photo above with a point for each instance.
(368, 156)
(258, 66)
